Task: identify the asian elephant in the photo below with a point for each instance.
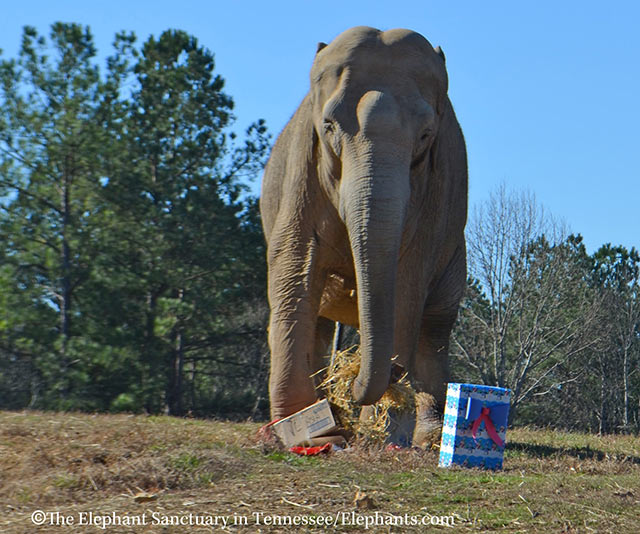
(364, 204)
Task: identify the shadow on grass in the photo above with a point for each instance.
(581, 453)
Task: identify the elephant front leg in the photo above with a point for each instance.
(431, 374)
(325, 329)
(431, 363)
(295, 288)
(431, 366)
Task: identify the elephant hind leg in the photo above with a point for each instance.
(324, 334)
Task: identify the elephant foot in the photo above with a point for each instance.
(269, 439)
(400, 427)
(428, 428)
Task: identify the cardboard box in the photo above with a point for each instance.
(475, 426)
(310, 422)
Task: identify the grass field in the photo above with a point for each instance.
(133, 474)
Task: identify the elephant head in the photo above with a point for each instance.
(380, 112)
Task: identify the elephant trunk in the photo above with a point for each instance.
(374, 207)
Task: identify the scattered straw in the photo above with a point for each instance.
(337, 386)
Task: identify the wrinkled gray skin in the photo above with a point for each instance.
(364, 204)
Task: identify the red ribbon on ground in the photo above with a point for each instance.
(488, 423)
(265, 432)
(311, 451)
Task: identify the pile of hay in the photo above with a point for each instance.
(337, 386)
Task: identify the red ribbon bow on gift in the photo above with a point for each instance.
(488, 423)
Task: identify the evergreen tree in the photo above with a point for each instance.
(178, 239)
(49, 142)
(616, 276)
(131, 251)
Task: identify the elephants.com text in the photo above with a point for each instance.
(104, 521)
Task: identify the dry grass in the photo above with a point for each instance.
(337, 386)
(72, 464)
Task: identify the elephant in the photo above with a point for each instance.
(364, 205)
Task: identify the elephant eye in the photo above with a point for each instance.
(328, 125)
(422, 147)
(425, 135)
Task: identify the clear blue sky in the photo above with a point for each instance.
(547, 92)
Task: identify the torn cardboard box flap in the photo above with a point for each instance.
(310, 422)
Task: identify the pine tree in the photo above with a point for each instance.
(131, 250)
(49, 141)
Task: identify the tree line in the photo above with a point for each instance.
(558, 326)
(132, 273)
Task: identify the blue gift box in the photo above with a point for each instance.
(475, 426)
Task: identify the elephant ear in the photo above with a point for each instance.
(440, 52)
(321, 46)
(449, 160)
(292, 162)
